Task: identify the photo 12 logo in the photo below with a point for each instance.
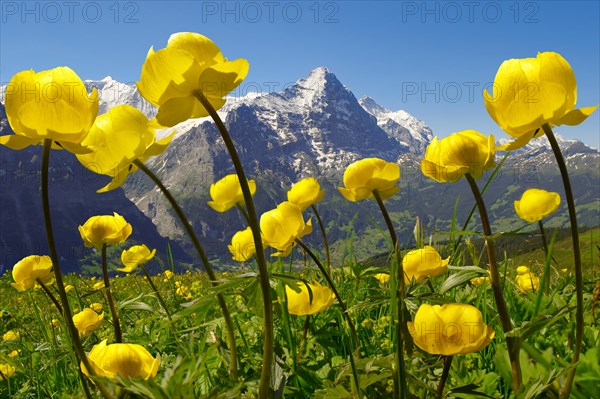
(53, 12)
(270, 11)
(470, 11)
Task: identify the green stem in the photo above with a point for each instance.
(57, 270)
(444, 377)
(546, 275)
(233, 363)
(111, 301)
(485, 187)
(576, 257)
(511, 342)
(325, 241)
(264, 387)
(302, 339)
(243, 212)
(333, 288)
(158, 296)
(543, 287)
(399, 320)
(50, 295)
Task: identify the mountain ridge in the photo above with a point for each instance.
(317, 127)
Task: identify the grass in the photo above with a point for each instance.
(315, 364)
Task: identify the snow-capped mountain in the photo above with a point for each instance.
(400, 125)
(317, 127)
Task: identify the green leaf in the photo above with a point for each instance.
(465, 274)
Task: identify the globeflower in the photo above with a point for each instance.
(449, 159)
(87, 321)
(526, 280)
(450, 329)
(227, 192)
(125, 360)
(364, 176)
(190, 63)
(300, 304)
(530, 92)
(6, 370)
(135, 256)
(242, 245)
(117, 139)
(29, 269)
(305, 193)
(52, 104)
(382, 277)
(535, 204)
(281, 227)
(105, 229)
(98, 286)
(421, 263)
(479, 281)
(11, 335)
(96, 307)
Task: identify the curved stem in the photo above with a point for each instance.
(111, 301)
(576, 257)
(333, 288)
(268, 333)
(50, 295)
(444, 376)
(158, 296)
(512, 342)
(325, 241)
(243, 212)
(62, 294)
(233, 363)
(398, 296)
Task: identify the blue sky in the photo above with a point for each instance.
(431, 59)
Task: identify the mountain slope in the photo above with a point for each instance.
(317, 127)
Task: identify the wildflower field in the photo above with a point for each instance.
(445, 317)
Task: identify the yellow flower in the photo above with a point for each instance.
(135, 256)
(55, 323)
(6, 370)
(305, 193)
(182, 290)
(116, 140)
(526, 280)
(99, 285)
(30, 268)
(87, 321)
(168, 274)
(105, 229)
(299, 303)
(125, 360)
(422, 263)
(13, 354)
(190, 62)
(479, 281)
(97, 307)
(280, 227)
(450, 329)
(242, 245)
(52, 104)
(11, 335)
(68, 288)
(535, 204)
(530, 92)
(366, 175)
(227, 192)
(382, 277)
(449, 159)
